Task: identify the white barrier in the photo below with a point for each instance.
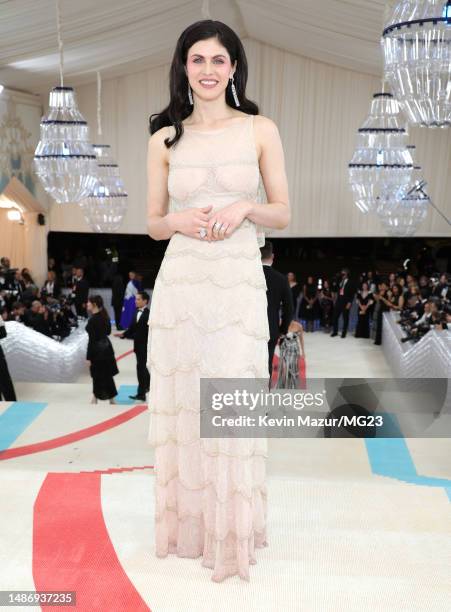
(33, 357)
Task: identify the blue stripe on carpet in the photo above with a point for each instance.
(16, 419)
(391, 457)
(123, 393)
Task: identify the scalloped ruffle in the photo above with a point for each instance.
(208, 319)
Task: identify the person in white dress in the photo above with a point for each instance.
(216, 177)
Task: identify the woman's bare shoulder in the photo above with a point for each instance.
(265, 124)
(157, 144)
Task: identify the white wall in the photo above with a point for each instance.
(25, 245)
(318, 108)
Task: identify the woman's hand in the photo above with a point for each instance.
(230, 217)
(190, 220)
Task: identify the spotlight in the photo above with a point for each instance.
(14, 215)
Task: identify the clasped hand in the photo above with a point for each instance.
(217, 225)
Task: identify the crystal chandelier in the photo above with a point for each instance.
(416, 44)
(64, 159)
(381, 167)
(403, 217)
(106, 205)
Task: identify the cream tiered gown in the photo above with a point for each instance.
(208, 318)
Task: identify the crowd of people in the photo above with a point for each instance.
(424, 302)
(53, 312)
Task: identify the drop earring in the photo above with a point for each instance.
(235, 97)
(190, 95)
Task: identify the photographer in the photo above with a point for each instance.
(37, 317)
(442, 289)
(17, 312)
(52, 287)
(80, 291)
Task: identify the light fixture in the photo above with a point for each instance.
(1, 89)
(403, 218)
(64, 159)
(14, 214)
(106, 205)
(416, 43)
(381, 167)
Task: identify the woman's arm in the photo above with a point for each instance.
(161, 225)
(159, 221)
(276, 213)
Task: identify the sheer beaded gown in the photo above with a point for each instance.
(208, 318)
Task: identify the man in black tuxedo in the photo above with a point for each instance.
(80, 292)
(345, 295)
(139, 331)
(278, 295)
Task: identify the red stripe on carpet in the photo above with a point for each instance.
(45, 445)
(72, 550)
(117, 470)
(124, 355)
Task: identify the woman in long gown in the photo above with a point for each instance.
(100, 353)
(364, 302)
(208, 317)
(309, 309)
(292, 350)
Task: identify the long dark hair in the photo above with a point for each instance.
(97, 300)
(179, 107)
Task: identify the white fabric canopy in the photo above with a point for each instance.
(122, 37)
(318, 108)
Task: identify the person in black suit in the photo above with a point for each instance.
(80, 292)
(139, 331)
(7, 392)
(52, 287)
(345, 295)
(442, 289)
(279, 295)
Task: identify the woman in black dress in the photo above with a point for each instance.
(295, 291)
(364, 303)
(396, 298)
(100, 352)
(326, 301)
(382, 305)
(310, 309)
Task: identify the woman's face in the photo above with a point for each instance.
(208, 60)
(310, 280)
(364, 286)
(89, 306)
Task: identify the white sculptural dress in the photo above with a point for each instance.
(208, 318)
